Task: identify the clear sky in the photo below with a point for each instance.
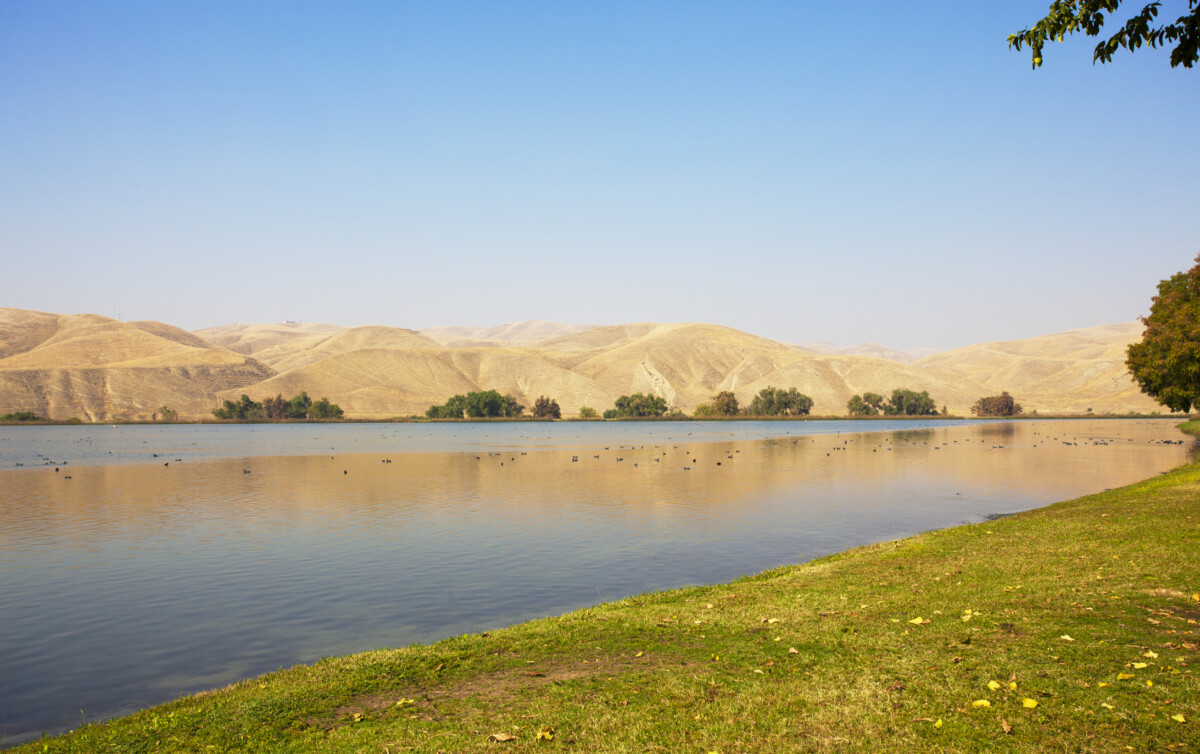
(804, 171)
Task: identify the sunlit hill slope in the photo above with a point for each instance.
(96, 368)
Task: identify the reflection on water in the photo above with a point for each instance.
(126, 585)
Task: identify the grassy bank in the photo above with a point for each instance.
(1074, 627)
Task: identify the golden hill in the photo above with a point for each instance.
(94, 367)
(512, 334)
(1068, 372)
(252, 338)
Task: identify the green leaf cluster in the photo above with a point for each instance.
(1066, 17)
(772, 401)
(484, 404)
(1166, 363)
(638, 405)
(546, 408)
(997, 405)
(867, 404)
(902, 403)
(20, 416)
(299, 406)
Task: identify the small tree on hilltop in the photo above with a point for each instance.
(546, 408)
(1166, 363)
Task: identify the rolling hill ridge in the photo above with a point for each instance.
(96, 368)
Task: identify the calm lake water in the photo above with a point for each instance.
(164, 560)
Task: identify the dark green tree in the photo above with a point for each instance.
(996, 405)
(772, 401)
(323, 409)
(1166, 363)
(725, 403)
(867, 404)
(477, 405)
(276, 408)
(297, 407)
(908, 403)
(640, 405)
(546, 408)
(243, 409)
(1066, 17)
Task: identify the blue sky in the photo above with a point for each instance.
(870, 171)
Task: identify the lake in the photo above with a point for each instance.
(139, 563)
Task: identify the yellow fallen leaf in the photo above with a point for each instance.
(403, 702)
(502, 737)
(1150, 653)
(793, 651)
(1179, 718)
(639, 654)
(358, 716)
(938, 724)
(1195, 596)
(756, 670)
(1102, 684)
(981, 703)
(1124, 676)
(709, 606)
(993, 685)
(894, 620)
(917, 621)
(1106, 705)
(545, 734)
(1149, 684)
(1139, 665)
(1065, 637)
(1028, 703)
(1012, 685)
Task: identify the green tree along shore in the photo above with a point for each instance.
(477, 405)
(964, 639)
(902, 403)
(277, 409)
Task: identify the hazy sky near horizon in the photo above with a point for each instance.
(870, 171)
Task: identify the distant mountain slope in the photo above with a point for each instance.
(252, 338)
(97, 368)
(513, 333)
(94, 367)
(299, 352)
(874, 350)
(1070, 371)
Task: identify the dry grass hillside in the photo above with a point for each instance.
(1069, 372)
(252, 338)
(512, 334)
(97, 368)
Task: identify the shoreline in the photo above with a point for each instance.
(923, 622)
(569, 420)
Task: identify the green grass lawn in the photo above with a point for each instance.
(1075, 627)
